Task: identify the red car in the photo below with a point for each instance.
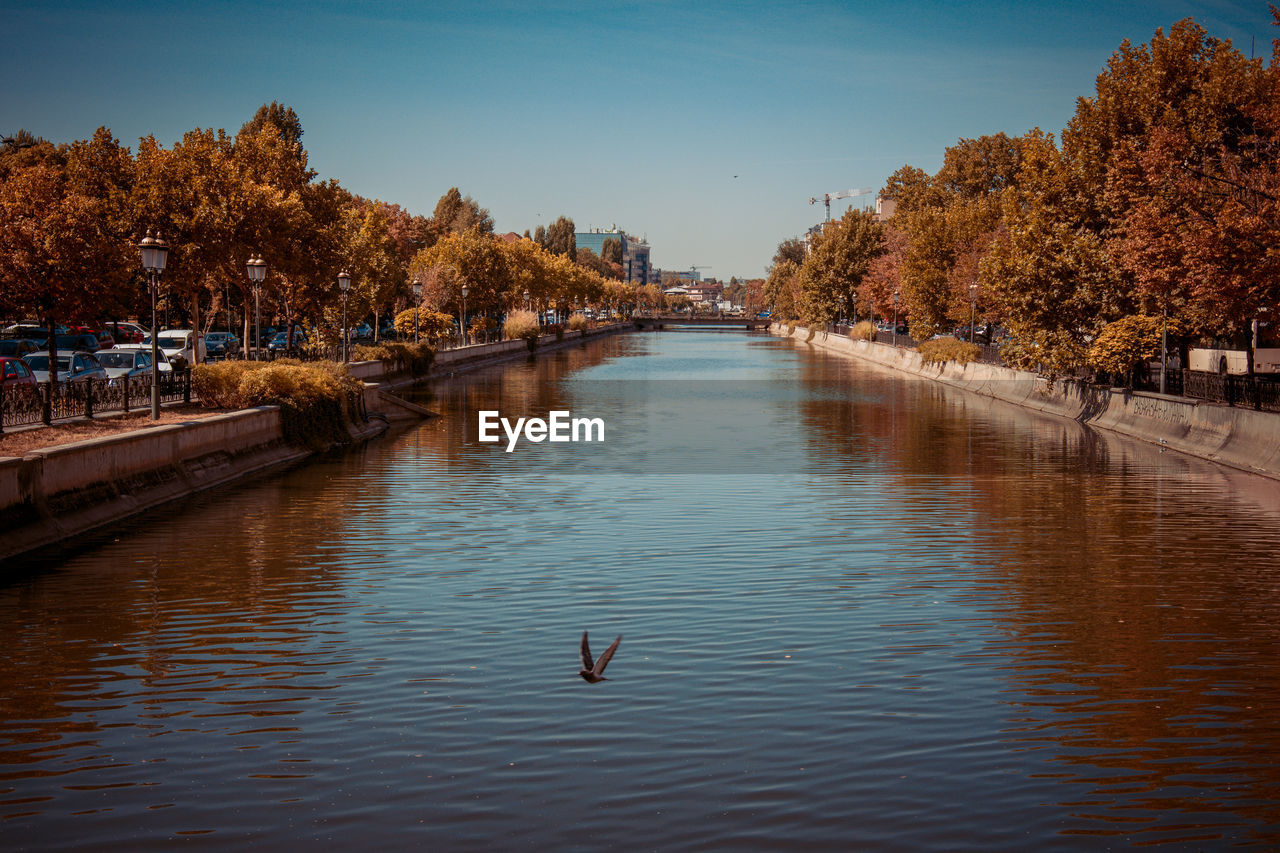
(16, 373)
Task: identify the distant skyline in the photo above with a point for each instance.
(705, 127)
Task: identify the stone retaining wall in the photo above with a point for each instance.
(56, 493)
(1241, 438)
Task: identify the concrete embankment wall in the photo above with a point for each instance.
(480, 355)
(56, 493)
(1241, 438)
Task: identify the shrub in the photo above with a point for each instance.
(556, 329)
(480, 325)
(1123, 345)
(432, 325)
(217, 383)
(579, 323)
(397, 357)
(316, 400)
(521, 325)
(942, 350)
(863, 331)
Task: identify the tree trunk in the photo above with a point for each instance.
(195, 329)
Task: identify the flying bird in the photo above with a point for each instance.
(593, 672)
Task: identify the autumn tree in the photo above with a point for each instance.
(281, 120)
(611, 251)
(781, 290)
(65, 248)
(1184, 136)
(792, 249)
(838, 260)
(455, 214)
(560, 239)
(472, 258)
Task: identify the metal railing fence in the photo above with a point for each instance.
(25, 405)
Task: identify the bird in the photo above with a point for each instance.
(593, 672)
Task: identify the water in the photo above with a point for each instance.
(858, 611)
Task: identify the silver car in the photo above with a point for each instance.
(72, 366)
(165, 367)
(122, 362)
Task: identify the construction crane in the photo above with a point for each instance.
(827, 197)
(693, 268)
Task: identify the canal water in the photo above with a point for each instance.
(858, 611)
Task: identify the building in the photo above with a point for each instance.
(635, 251)
(885, 208)
(699, 292)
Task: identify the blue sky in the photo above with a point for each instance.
(638, 114)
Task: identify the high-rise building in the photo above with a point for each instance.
(635, 251)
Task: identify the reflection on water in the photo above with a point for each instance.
(859, 611)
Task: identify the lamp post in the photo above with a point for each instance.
(344, 284)
(973, 309)
(155, 252)
(463, 318)
(257, 269)
(895, 317)
(417, 306)
(526, 300)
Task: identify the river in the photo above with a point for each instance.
(858, 611)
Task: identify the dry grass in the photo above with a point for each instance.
(22, 441)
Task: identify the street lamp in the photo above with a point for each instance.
(973, 309)
(155, 252)
(463, 319)
(344, 284)
(417, 306)
(526, 300)
(257, 269)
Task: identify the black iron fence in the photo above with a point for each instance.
(1254, 392)
(24, 405)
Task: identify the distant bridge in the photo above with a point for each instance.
(701, 320)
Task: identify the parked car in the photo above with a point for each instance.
(180, 345)
(38, 334)
(278, 344)
(16, 373)
(72, 366)
(165, 366)
(127, 333)
(221, 344)
(363, 332)
(77, 341)
(122, 362)
(17, 347)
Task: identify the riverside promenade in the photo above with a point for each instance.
(57, 493)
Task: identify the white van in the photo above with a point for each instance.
(1234, 361)
(180, 346)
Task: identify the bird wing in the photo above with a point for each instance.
(586, 653)
(607, 656)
